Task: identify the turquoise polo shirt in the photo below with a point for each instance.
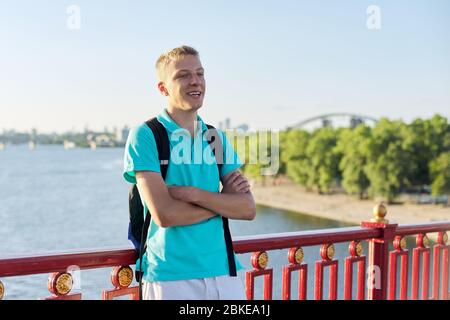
(182, 252)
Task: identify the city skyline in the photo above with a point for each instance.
(268, 66)
(324, 120)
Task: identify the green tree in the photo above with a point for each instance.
(323, 159)
(426, 139)
(389, 159)
(439, 135)
(419, 140)
(352, 146)
(244, 145)
(255, 150)
(440, 175)
(283, 165)
(293, 155)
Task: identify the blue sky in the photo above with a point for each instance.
(269, 64)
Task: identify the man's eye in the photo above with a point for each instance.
(201, 74)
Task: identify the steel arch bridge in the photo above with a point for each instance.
(327, 119)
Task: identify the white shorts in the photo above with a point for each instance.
(214, 288)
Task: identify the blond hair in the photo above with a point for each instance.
(173, 55)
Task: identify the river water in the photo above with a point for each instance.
(54, 199)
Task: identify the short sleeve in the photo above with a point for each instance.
(231, 159)
(141, 153)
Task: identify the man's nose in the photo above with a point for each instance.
(195, 80)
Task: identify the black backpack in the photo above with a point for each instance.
(138, 228)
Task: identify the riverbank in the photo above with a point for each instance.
(341, 207)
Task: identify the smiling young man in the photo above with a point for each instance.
(186, 256)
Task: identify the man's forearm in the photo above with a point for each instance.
(180, 213)
(239, 206)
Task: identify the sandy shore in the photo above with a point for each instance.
(341, 207)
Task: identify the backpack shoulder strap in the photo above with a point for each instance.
(162, 144)
(217, 147)
(216, 144)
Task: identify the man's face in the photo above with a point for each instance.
(184, 83)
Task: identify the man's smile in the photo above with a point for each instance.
(195, 94)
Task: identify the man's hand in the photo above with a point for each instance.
(183, 193)
(164, 208)
(236, 183)
(234, 202)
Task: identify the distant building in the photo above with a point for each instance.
(122, 135)
(243, 127)
(34, 134)
(354, 122)
(326, 123)
(103, 140)
(69, 144)
(90, 137)
(227, 123)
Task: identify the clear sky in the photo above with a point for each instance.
(269, 64)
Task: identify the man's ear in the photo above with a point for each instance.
(162, 88)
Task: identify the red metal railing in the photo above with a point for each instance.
(381, 264)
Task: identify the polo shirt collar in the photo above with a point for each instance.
(172, 126)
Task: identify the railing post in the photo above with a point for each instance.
(379, 253)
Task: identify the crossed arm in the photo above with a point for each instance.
(185, 205)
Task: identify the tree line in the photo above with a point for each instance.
(379, 161)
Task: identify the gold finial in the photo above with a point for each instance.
(295, 255)
(400, 243)
(422, 241)
(426, 241)
(403, 243)
(356, 249)
(263, 260)
(2, 290)
(64, 284)
(299, 255)
(330, 252)
(122, 276)
(327, 251)
(359, 249)
(379, 212)
(60, 283)
(260, 260)
(125, 277)
(442, 238)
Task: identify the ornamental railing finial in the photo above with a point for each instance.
(379, 212)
